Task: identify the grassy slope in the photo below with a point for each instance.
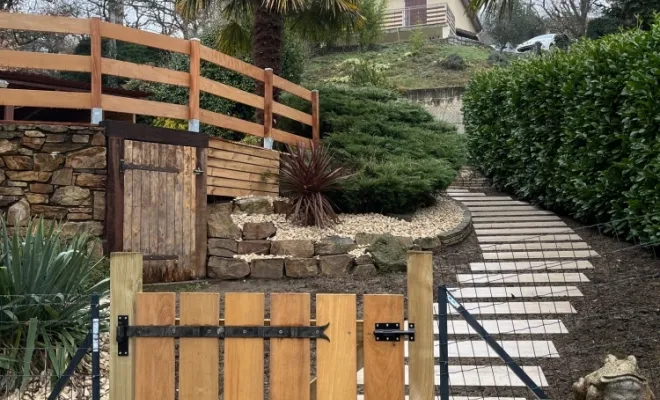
(404, 70)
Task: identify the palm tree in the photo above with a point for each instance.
(259, 25)
(499, 8)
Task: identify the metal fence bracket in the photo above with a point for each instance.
(391, 332)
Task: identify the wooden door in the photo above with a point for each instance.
(158, 193)
(415, 12)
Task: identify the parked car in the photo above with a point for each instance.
(547, 41)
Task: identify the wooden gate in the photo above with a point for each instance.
(157, 199)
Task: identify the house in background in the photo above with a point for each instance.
(437, 19)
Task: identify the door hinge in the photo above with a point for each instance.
(391, 332)
(198, 171)
(126, 331)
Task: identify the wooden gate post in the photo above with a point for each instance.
(125, 283)
(420, 312)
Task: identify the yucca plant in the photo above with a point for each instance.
(46, 281)
(306, 175)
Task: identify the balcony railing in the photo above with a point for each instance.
(434, 14)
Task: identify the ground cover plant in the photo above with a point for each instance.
(576, 131)
(399, 157)
(46, 281)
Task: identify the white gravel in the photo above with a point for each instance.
(427, 222)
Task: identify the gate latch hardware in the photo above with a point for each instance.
(198, 171)
(126, 331)
(391, 332)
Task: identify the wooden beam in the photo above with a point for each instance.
(223, 144)
(290, 138)
(49, 61)
(268, 103)
(143, 107)
(96, 65)
(44, 98)
(292, 88)
(9, 113)
(125, 34)
(316, 124)
(244, 158)
(43, 23)
(231, 123)
(200, 212)
(231, 93)
(144, 72)
(231, 63)
(114, 196)
(194, 72)
(153, 134)
(292, 113)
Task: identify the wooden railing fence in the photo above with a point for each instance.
(97, 65)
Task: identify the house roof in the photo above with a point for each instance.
(24, 80)
(475, 20)
(466, 34)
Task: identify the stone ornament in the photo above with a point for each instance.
(618, 379)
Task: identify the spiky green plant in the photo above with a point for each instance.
(46, 281)
(306, 175)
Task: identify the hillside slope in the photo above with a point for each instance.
(403, 69)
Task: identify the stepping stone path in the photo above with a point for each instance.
(532, 266)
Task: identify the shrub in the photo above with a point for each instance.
(453, 62)
(373, 12)
(398, 155)
(576, 131)
(306, 175)
(497, 58)
(366, 73)
(45, 288)
(417, 40)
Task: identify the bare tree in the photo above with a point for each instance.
(570, 16)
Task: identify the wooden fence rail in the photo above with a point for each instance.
(97, 66)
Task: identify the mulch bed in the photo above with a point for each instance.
(619, 313)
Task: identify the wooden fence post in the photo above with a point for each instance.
(420, 312)
(268, 108)
(193, 90)
(125, 283)
(316, 124)
(96, 58)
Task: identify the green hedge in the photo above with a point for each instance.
(399, 156)
(576, 131)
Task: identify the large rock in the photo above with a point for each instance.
(63, 176)
(269, 268)
(47, 162)
(71, 196)
(91, 180)
(99, 206)
(33, 142)
(11, 191)
(258, 230)
(254, 247)
(7, 147)
(98, 139)
(364, 259)
(18, 163)
(28, 176)
(365, 270)
(281, 206)
(365, 239)
(36, 198)
(390, 252)
(219, 208)
(54, 128)
(221, 225)
(428, 243)
(293, 248)
(93, 228)
(227, 268)
(301, 267)
(41, 188)
(222, 247)
(90, 158)
(7, 200)
(2, 175)
(19, 213)
(334, 245)
(337, 265)
(253, 205)
(50, 211)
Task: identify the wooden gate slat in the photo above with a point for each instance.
(199, 358)
(187, 189)
(200, 214)
(153, 209)
(192, 266)
(154, 357)
(244, 358)
(336, 360)
(289, 358)
(178, 198)
(170, 184)
(383, 361)
(137, 199)
(128, 198)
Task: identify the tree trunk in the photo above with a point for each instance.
(267, 41)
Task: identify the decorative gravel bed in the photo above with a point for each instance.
(428, 222)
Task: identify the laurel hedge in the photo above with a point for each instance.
(577, 131)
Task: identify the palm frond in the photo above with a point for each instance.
(234, 39)
(285, 6)
(324, 19)
(189, 9)
(500, 8)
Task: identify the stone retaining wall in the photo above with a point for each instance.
(56, 171)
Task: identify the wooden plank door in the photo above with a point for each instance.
(157, 199)
(415, 12)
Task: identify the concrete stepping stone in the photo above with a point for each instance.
(535, 224)
(502, 208)
(482, 202)
(484, 198)
(466, 194)
(539, 277)
(509, 292)
(510, 213)
(521, 231)
(480, 375)
(528, 238)
(521, 218)
(505, 327)
(481, 349)
(531, 265)
(361, 397)
(513, 308)
(457, 190)
(527, 255)
(535, 246)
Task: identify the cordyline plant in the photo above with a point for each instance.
(306, 175)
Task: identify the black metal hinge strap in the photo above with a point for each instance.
(391, 332)
(123, 166)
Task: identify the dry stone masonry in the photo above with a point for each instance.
(54, 171)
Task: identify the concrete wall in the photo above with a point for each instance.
(54, 171)
(443, 103)
(462, 19)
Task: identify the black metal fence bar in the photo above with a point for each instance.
(444, 343)
(96, 356)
